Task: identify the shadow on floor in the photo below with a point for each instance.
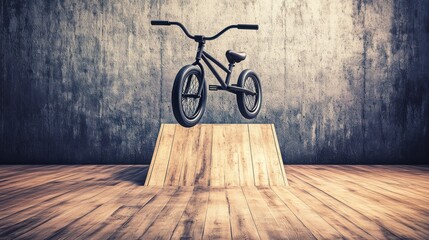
(135, 174)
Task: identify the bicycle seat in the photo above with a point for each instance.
(235, 57)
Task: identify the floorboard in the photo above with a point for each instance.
(191, 223)
(111, 202)
(242, 223)
(217, 224)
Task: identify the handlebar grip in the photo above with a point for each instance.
(248, 26)
(160, 22)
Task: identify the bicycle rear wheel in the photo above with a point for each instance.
(248, 104)
(188, 105)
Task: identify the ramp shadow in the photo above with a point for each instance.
(136, 174)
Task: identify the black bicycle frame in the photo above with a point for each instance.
(201, 54)
(224, 85)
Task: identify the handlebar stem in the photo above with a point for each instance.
(200, 39)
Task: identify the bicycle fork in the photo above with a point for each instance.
(197, 62)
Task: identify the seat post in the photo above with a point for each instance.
(231, 66)
(228, 77)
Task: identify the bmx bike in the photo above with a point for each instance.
(189, 92)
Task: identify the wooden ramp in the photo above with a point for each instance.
(219, 155)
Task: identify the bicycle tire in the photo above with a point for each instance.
(247, 110)
(177, 96)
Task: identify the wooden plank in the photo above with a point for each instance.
(393, 176)
(51, 225)
(217, 176)
(279, 153)
(368, 194)
(10, 208)
(80, 225)
(191, 224)
(32, 199)
(265, 222)
(27, 184)
(178, 157)
(46, 174)
(242, 224)
(138, 196)
(258, 156)
(169, 217)
(241, 143)
(109, 226)
(187, 174)
(217, 225)
(51, 222)
(397, 193)
(313, 221)
(204, 154)
(292, 227)
(340, 209)
(25, 221)
(343, 225)
(388, 218)
(274, 167)
(230, 154)
(155, 152)
(163, 156)
(379, 200)
(143, 218)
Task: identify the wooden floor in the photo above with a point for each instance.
(217, 155)
(322, 202)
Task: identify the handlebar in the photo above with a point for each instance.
(248, 26)
(160, 22)
(238, 26)
(167, 23)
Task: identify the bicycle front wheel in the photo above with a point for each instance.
(188, 105)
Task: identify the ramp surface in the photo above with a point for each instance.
(219, 155)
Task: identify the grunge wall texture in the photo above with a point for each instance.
(344, 81)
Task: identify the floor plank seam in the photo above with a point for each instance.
(339, 200)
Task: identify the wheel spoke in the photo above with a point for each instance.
(190, 104)
(249, 99)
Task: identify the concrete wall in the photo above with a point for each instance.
(344, 81)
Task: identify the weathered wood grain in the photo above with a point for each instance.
(219, 155)
(109, 202)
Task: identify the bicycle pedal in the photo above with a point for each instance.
(213, 87)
